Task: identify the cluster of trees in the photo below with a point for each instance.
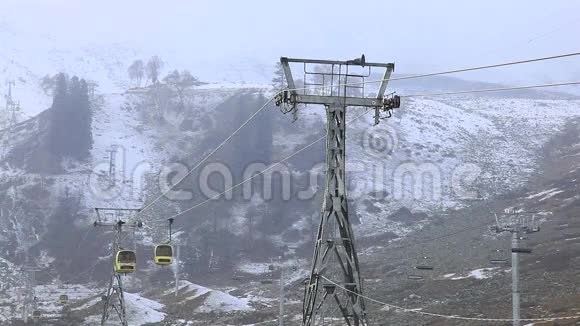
(48, 85)
(181, 81)
(152, 70)
(69, 132)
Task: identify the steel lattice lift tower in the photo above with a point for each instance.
(114, 299)
(335, 256)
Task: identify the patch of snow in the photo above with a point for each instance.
(550, 195)
(254, 268)
(214, 300)
(220, 301)
(546, 194)
(143, 311)
(541, 193)
(478, 274)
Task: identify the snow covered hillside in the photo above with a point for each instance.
(435, 155)
(440, 153)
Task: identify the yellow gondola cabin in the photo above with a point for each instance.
(163, 254)
(63, 299)
(125, 261)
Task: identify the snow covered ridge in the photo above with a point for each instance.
(206, 300)
(140, 310)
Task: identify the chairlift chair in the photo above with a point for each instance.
(415, 277)
(424, 267)
(498, 259)
(420, 269)
(269, 273)
(425, 264)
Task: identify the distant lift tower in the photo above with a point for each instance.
(11, 106)
(520, 224)
(336, 87)
(29, 299)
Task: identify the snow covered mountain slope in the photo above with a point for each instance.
(460, 246)
(434, 156)
(466, 148)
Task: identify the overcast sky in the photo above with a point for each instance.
(419, 36)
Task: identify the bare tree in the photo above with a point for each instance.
(153, 68)
(279, 79)
(136, 71)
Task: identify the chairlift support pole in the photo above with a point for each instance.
(519, 226)
(29, 295)
(176, 266)
(170, 224)
(515, 280)
(335, 256)
(281, 297)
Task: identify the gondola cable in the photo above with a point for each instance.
(457, 317)
(208, 156)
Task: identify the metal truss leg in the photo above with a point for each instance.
(334, 254)
(115, 300)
